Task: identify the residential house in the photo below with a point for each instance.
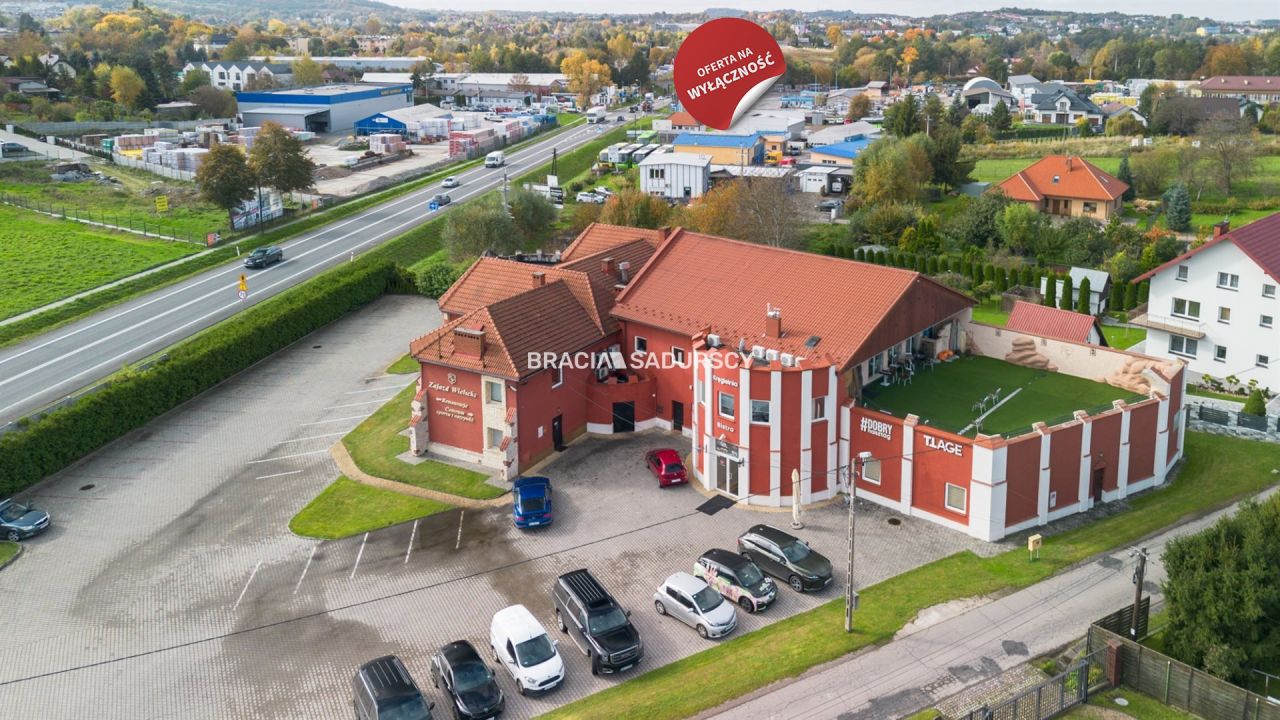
(29, 86)
(1099, 288)
(373, 44)
(1063, 106)
(1215, 306)
(1067, 185)
(57, 66)
(724, 149)
(217, 42)
(1260, 89)
(240, 74)
(1113, 110)
(980, 95)
(675, 175)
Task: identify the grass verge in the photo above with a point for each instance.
(403, 366)
(376, 442)
(1218, 470)
(1193, 390)
(7, 551)
(1139, 706)
(348, 508)
(1122, 338)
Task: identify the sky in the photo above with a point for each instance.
(1234, 10)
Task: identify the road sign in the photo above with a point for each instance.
(556, 195)
(162, 203)
(242, 294)
(433, 206)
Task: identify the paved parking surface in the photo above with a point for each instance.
(171, 587)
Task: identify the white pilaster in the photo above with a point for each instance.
(775, 437)
(833, 470)
(1122, 467)
(708, 434)
(744, 431)
(987, 493)
(907, 484)
(806, 436)
(1042, 494)
(1084, 498)
(846, 420)
(1162, 441)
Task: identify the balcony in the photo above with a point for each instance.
(1176, 325)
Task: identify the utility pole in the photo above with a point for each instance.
(505, 204)
(1138, 573)
(553, 163)
(851, 598)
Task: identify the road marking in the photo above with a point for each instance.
(358, 404)
(361, 392)
(349, 417)
(276, 475)
(412, 534)
(309, 437)
(286, 457)
(358, 556)
(458, 544)
(306, 567)
(246, 585)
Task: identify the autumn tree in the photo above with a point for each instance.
(213, 102)
(586, 75)
(859, 107)
(890, 170)
(532, 214)
(478, 226)
(635, 209)
(909, 55)
(307, 72)
(280, 161)
(758, 210)
(1231, 153)
(224, 177)
(620, 49)
(126, 86)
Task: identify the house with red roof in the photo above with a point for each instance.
(1055, 323)
(1215, 307)
(1068, 186)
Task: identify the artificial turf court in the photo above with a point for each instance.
(945, 396)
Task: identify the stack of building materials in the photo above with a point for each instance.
(134, 141)
(247, 135)
(93, 140)
(431, 129)
(386, 143)
(304, 135)
(161, 132)
(187, 159)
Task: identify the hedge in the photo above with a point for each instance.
(135, 398)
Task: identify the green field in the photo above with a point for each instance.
(348, 508)
(996, 170)
(945, 396)
(43, 259)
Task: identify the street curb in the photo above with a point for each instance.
(16, 555)
(349, 468)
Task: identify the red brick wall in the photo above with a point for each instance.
(672, 384)
(818, 434)
(1104, 446)
(761, 459)
(537, 403)
(1022, 480)
(1142, 440)
(888, 451)
(454, 413)
(934, 468)
(1064, 465)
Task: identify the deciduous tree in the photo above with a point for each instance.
(279, 159)
(224, 177)
(1229, 149)
(532, 215)
(307, 71)
(126, 86)
(586, 75)
(635, 209)
(859, 107)
(478, 226)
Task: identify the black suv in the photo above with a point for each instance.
(383, 690)
(596, 622)
(263, 257)
(467, 680)
(785, 557)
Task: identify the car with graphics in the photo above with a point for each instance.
(19, 521)
(264, 256)
(696, 604)
(666, 466)
(786, 557)
(737, 578)
(522, 646)
(441, 199)
(383, 689)
(532, 502)
(596, 623)
(458, 670)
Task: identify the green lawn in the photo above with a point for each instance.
(376, 442)
(1139, 706)
(1218, 470)
(989, 312)
(1122, 338)
(7, 550)
(996, 170)
(1193, 390)
(43, 259)
(348, 508)
(404, 366)
(945, 396)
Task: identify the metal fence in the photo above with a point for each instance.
(1213, 415)
(154, 168)
(80, 128)
(103, 219)
(1218, 416)
(1054, 696)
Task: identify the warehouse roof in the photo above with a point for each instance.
(300, 110)
(709, 140)
(849, 149)
(676, 158)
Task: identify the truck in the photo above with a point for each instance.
(597, 114)
(495, 159)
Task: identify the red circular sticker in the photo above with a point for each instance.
(723, 67)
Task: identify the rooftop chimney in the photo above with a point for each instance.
(1222, 228)
(469, 341)
(624, 272)
(663, 233)
(607, 265)
(539, 279)
(1069, 163)
(773, 323)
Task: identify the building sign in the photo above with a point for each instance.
(879, 428)
(724, 381)
(451, 388)
(454, 409)
(945, 446)
(726, 448)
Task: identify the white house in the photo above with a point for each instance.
(1099, 288)
(1215, 306)
(675, 175)
(238, 75)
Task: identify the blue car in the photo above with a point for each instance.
(532, 502)
(19, 522)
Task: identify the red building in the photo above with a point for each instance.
(759, 356)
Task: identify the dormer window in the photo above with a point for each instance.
(1056, 178)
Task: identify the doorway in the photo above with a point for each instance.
(557, 432)
(624, 417)
(677, 416)
(1095, 488)
(727, 474)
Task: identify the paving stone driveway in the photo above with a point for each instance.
(172, 587)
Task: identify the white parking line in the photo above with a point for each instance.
(246, 585)
(266, 477)
(358, 556)
(361, 392)
(367, 402)
(286, 457)
(349, 417)
(305, 568)
(310, 437)
(458, 544)
(412, 534)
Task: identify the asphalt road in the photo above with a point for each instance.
(52, 366)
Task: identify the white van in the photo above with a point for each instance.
(521, 646)
(495, 159)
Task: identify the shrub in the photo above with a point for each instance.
(435, 275)
(1256, 404)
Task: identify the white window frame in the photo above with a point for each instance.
(733, 404)
(1268, 290)
(1183, 273)
(1220, 353)
(1262, 361)
(820, 408)
(946, 498)
(1228, 281)
(489, 435)
(489, 395)
(768, 412)
(1224, 315)
(557, 376)
(1186, 308)
(640, 344)
(1183, 342)
(1265, 321)
(871, 471)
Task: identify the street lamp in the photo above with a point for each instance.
(850, 597)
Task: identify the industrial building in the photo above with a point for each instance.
(322, 108)
(675, 175)
(400, 120)
(724, 149)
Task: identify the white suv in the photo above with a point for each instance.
(522, 647)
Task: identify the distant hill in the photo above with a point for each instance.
(238, 11)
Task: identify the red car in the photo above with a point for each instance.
(665, 465)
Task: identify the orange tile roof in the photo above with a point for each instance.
(598, 237)
(542, 319)
(1078, 179)
(683, 119)
(489, 280)
(701, 283)
(1052, 322)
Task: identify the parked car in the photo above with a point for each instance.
(696, 604)
(13, 148)
(785, 557)
(521, 646)
(19, 522)
(596, 623)
(603, 192)
(666, 466)
(383, 689)
(737, 578)
(828, 205)
(467, 680)
(532, 506)
(262, 257)
(590, 197)
(450, 182)
(441, 199)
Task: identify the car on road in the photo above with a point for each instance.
(13, 148)
(590, 197)
(666, 466)
(737, 578)
(467, 680)
(596, 623)
(696, 604)
(450, 182)
(441, 199)
(532, 506)
(603, 192)
(785, 557)
(19, 522)
(383, 689)
(620, 118)
(522, 646)
(262, 257)
(828, 205)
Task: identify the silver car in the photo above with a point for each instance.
(696, 604)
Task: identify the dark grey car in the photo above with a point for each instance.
(382, 689)
(19, 522)
(786, 557)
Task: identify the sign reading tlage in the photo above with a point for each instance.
(723, 67)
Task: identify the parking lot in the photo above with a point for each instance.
(170, 585)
